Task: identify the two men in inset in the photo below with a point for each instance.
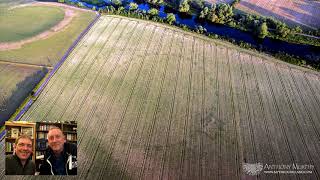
(60, 157)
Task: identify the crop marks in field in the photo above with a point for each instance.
(298, 12)
(154, 102)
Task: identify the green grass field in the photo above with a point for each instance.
(154, 102)
(54, 47)
(25, 22)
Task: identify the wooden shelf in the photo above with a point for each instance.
(10, 138)
(70, 132)
(42, 131)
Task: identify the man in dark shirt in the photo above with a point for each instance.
(60, 157)
(20, 163)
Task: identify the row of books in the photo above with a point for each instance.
(15, 132)
(71, 137)
(40, 153)
(70, 128)
(44, 127)
(9, 147)
(42, 144)
(42, 135)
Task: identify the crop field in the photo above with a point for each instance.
(16, 82)
(304, 13)
(27, 44)
(46, 44)
(13, 20)
(220, 1)
(154, 102)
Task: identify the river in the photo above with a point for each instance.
(307, 52)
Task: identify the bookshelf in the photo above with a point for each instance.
(14, 129)
(69, 129)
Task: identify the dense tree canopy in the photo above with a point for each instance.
(155, 2)
(133, 6)
(116, 2)
(204, 13)
(171, 18)
(153, 12)
(184, 6)
(263, 30)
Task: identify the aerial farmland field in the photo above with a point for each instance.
(304, 13)
(19, 17)
(34, 35)
(45, 38)
(16, 81)
(155, 102)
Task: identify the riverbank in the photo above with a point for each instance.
(298, 54)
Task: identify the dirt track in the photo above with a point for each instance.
(70, 13)
(24, 64)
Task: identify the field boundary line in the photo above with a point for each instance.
(29, 102)
(87, 61)
(80, 84)
(47, 93)
(24, 64)
(56, 67)
(4, 68)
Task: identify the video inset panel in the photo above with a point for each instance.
(41, 148)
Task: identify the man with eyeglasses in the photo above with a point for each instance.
(60, 157)
(20, 162)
